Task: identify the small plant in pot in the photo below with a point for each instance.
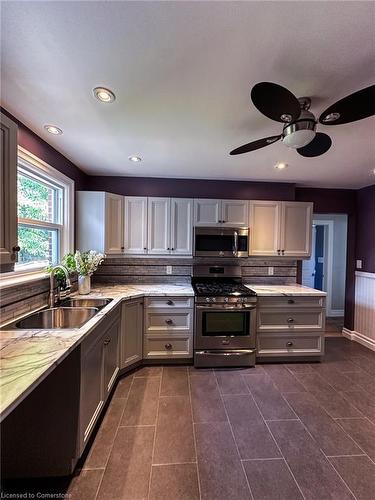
(84, 264)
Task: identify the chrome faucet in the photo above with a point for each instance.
(52, 296)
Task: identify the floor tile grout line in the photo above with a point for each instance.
(261, 459)
(114, 439)
(359, 446)
(342, 479)
(233, 436)
(174, 463)
(155, 431)
(276, 443)
(345, 456)
(194, 437)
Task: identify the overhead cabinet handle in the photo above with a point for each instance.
(169, 322)
(107, 341)
(170, 302)
(289, 344)
(168, 346)
(290, 320)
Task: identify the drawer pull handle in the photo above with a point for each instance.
(290, 301)
(289, 344)
(169, 322)
(168, 346)
(290, 320)
(170, 302)
(107, 341)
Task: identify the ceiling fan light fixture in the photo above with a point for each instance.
(285, 117)
(301, 132)
(331, 117)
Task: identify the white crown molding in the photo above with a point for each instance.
(363, 274)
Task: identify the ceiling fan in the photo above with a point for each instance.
(299, 130)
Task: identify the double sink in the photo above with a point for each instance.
(71, 313)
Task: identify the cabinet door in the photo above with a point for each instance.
(207, 212)
(264, 222)
(114, 226)
(296, 229)
(182, 226)
(235, 213)
(110, 356)
(8, 191)
(159, 225)
(131, 333)
(92, 397)
(135, 225)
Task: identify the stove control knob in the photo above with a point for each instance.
(208, 299)
(244, 299)
(213, 299)
(226, 299)
(239, 300)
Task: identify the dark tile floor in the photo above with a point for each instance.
(276, 431)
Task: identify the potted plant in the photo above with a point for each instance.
(84, 264)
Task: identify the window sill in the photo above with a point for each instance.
(20, 277)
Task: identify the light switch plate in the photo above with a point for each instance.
(169, 269)
(359, 264)
(270, 271)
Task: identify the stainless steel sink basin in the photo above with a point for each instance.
(58, 317)
(78, 302)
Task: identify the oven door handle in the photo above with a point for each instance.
(247, 307)
(242, 352)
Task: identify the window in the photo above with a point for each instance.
(45, 213)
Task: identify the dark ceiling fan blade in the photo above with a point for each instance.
(351, 108)
(252, 146)
(318, 146)
(276, 102)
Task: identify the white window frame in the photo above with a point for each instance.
(40, 168)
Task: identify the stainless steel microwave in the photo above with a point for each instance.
(221, 241)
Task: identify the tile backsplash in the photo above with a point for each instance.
(22, 298)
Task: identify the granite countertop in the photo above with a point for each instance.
(28, 356)
(285, 291)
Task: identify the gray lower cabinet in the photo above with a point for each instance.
(290, 327)
(99, 367)
(131, 333)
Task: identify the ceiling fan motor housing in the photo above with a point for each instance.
(300, 132)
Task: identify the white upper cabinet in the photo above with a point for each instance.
(114, 226)
(296, 229)
(8, 191)
(159, 223)
(221, 212)
(181, 235)
(280, 228)
(99, 222)
(135, 224)
(264, 220)
(235, 213)
(207, 212)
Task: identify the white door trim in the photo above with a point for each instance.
(328, 264)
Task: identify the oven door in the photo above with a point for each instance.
(225, 327)
(221, 242)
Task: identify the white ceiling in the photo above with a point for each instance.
(182, 73)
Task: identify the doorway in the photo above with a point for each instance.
(326, 268)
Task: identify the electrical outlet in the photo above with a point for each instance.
(270, 271)
(359, 264)
(169, 269)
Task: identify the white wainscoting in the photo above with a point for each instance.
(364, 312)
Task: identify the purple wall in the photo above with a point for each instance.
(40, 148)
(365, 244)
(191, 188)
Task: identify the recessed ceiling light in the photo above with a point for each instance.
(134, 158)
(103, 94)
(53, 130)
(280, 165)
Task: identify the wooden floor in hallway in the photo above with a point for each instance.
(276, 431)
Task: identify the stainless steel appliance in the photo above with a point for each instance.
(221, 241)
(225, 317)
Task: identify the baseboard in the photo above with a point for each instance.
(333, 313)
(358, 337)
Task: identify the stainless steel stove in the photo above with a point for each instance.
(225, 317)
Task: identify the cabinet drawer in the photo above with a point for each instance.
(174, 321)
(165, 346)
(291, 302)
(290, 320)
(289, 345)
(169, 302)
